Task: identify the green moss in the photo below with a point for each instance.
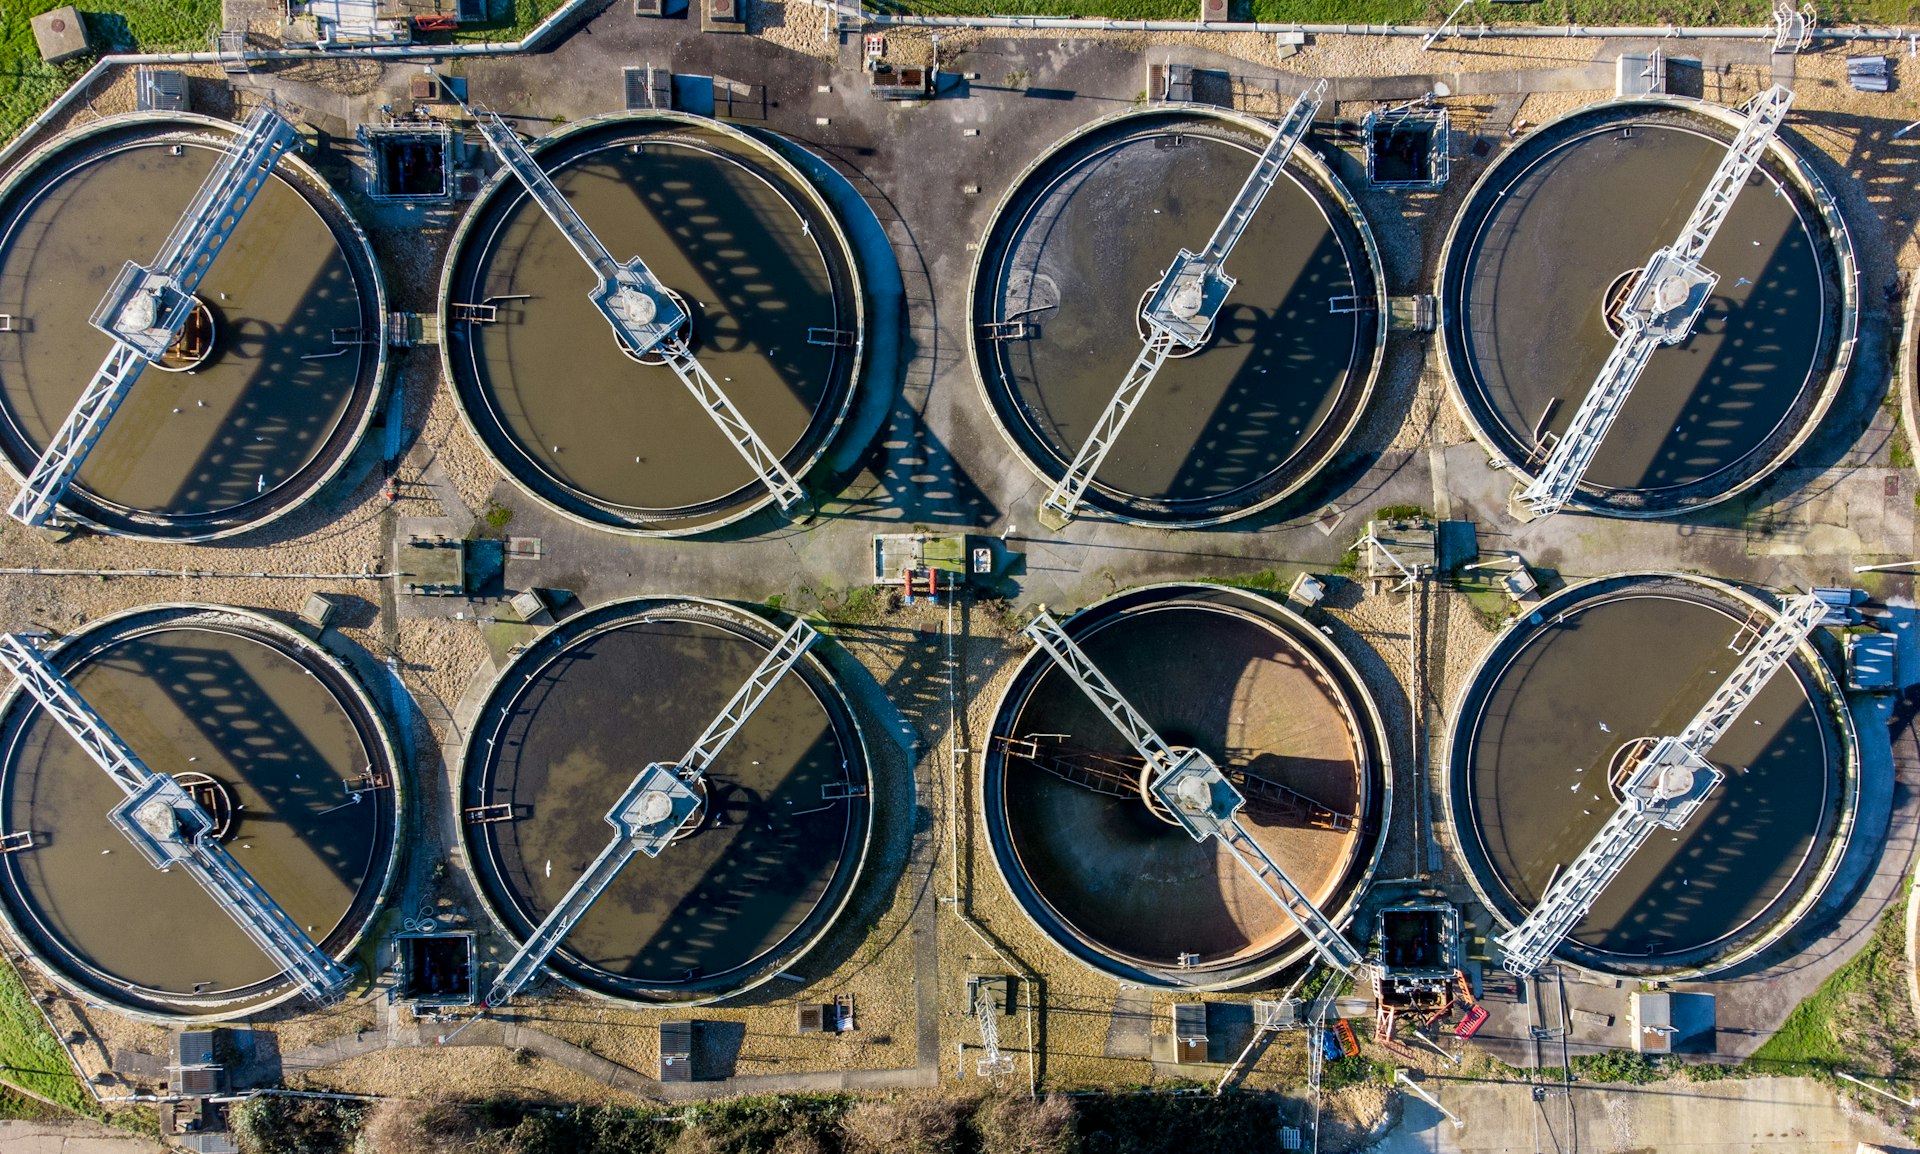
(1400, 513)
(1266, 580)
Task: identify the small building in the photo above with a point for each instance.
(676, 1051)
(61, 35)
(162, 90)
(1640, 74)
(1651, 1019)
(894, 82)
(1407, 147)
(196, 1070)
(1189, 1032)
(437, 969)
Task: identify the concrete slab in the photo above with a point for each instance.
(1762, 1116)
(60, 35)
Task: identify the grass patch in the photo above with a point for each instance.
(1401, 513)
(30, 1056)
(1860, 1019)
(28, 84)
(507, 20)
(497, 516)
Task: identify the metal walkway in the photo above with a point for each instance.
(1660, 308)
(656, 807)
(1194, 793)
(146, 307)
(645, 315)
(1663, 791)
(1180, 310)
(169, 828)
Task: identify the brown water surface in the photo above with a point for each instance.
(1097, 238)
(257, 413)
(223, 704)
(1595, 206)
(1629, 667)
(716, 228)
(572, 740)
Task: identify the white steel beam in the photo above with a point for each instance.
(1661, 307)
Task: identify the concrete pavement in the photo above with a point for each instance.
(72, 1136)
(1754, 1116)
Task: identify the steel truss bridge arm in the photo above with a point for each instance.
(170, 828)
(1181, 308)
(1287, 135)
(1661, 307)
(146, 307)
(1663, 791)
(644, 314)
(657, 805)
(1194, 792)
(1063, 500)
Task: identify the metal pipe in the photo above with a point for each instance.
(1479, 32)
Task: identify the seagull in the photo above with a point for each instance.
(260, 486)
(1741, 281)
(1605, 728)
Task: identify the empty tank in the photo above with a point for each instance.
(1245, 680)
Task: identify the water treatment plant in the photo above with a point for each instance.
(908, 556)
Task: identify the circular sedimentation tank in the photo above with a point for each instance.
(1563, 694)
(267, 729)
(1553, 231)
(1272, 701)
(288, 349)
(744, 241)
(1076, 244)
(785, 822)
